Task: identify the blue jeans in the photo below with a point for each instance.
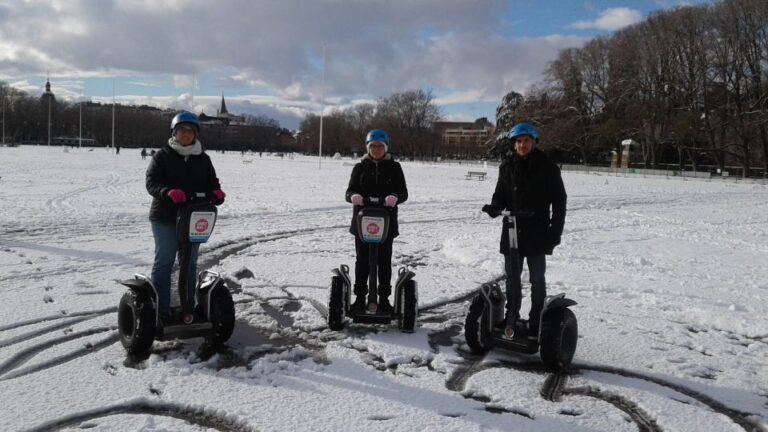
(537, 266)
(166, 248)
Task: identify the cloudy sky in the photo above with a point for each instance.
(266, 56)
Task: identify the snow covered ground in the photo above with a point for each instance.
(670, 277)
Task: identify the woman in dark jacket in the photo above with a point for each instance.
(376, 175)
(178, 169)
(529, 182)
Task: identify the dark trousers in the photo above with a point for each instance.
(537, 266)
(166, 249)
(384, 262)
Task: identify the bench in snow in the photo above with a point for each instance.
(480, 175)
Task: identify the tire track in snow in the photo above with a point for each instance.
(88, 349)
(197, 415)
(26, 354)
(63, 315)
(643, 420)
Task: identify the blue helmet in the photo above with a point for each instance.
(521, 129)
(377, 135)
(185, 117)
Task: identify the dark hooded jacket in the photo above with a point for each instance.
(377, 179)
(170, 170)
(532, 184)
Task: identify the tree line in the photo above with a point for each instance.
(407, 117)
(26, 121)
(689, 85)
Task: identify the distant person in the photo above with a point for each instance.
(152, 152)
(376, 175)
(176, 170)
(143, 153)
(529, 181)
(117, 148)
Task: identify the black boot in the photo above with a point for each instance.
(384, 305)
(360, 291)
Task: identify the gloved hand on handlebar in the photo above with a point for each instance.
(218, 196)
(177, 196)
(492, 210)
(390, 201)
(356, 199)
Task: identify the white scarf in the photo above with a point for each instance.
(186, 151)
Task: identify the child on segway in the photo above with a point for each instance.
(180, 168)
(376, 175)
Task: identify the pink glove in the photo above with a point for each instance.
(177, 196)
(390, 201)
(219, 195)
(356, 199)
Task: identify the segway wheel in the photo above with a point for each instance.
(136, 323)
(222, 317)
(559, 333)
(475, 327)
(336, 304)
(406, 321)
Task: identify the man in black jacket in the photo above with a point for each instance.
(178, 169)
(529, 182)
(376, 175)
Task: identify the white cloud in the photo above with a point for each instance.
(610, 20)
(274, 48)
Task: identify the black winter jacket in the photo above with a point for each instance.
(170, 170)
(377, 179)
(532, 184)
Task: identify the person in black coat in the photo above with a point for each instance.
(180, 168)
(529, 182)
(376, 175)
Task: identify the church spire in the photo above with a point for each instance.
(223, 110)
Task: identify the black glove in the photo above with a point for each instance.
(551, 243)
(492, 210)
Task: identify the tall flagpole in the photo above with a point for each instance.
(49, 112)
(80, 140)
(3, 117)
(113, 113)
(322, 109)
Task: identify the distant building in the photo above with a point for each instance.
(232, 132)
(223, 117)
(461, 139)
(48, 94)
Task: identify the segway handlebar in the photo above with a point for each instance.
(494, 211)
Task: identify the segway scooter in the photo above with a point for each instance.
(139, 321)
(372, 227)
(485, 326)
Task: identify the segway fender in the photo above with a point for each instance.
(141, 284)
(343, 273)
(208, 284)
(557, 301)
(403, 276)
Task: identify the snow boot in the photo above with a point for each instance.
(360, 291)
(384, 305)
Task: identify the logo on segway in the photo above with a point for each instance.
(372, 229)
(201, 225)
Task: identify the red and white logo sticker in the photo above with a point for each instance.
(372, 229)
(201, 225)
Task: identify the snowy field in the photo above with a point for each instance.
(670, 277)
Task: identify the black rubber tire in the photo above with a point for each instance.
(409, 304)
(336, 304)
(222, 317)
(475, 326)
(559, 334)
(136, 320)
